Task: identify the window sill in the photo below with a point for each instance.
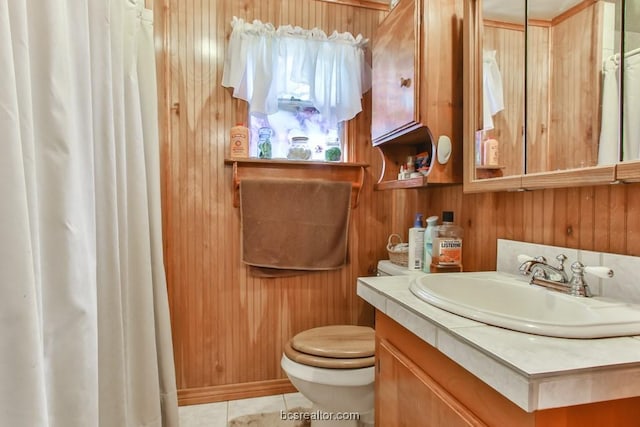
(297, 169)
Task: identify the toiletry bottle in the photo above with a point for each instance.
(239, 141)
(432, 222)
(416, 244)
(447, 243)
(491, 152)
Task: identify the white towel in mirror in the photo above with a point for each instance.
(493, 100)
(631, 107)
(608, 145)
(608, 149)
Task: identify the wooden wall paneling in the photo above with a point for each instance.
(510, 220)
(618, 219)
(538, 81)
(532, 216)
(587, 227)
(480, 231)
(528, 217)
(602, 218)
(575, 95)
(560, 217)
(572, 232)
(508, 124)
(228, 327)
(632, 228)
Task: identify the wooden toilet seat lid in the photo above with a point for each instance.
(327, 362)
(336, 341)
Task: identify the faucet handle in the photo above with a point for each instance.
(600, 271)
(578, 285)
(522, 258)
(561, 259)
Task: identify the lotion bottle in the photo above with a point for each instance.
(491, 152)
(416, 244)
(239, 146)
(447, 242)
(432, 223)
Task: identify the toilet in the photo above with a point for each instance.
(333, 367)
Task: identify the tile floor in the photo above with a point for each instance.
(219, 413)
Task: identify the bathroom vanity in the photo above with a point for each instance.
(435, 368)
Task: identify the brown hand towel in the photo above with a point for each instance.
(293, 225)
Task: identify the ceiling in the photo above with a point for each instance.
(514, 11)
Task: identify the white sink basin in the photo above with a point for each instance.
(510, 302)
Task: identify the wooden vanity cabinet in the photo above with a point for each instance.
(417, 89)
(416, 385)
(413, 398)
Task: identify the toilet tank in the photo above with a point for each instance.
(387, 268)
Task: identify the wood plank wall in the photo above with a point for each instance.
(574, 95)
(600, 218)
(508, 42)
(229, 328)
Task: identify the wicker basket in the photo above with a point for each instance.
(398, 251)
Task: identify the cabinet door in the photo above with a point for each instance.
(407, 396)
(394, 72)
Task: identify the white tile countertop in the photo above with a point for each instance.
(534, 372)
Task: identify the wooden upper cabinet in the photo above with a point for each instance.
(394, 106)
(417, 90)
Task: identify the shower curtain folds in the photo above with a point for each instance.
(84, 326)
(609, 146)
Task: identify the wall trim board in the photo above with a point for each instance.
(195, 396)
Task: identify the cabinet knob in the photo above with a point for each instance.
(405, 82)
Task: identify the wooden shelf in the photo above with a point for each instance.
(487, 167)
(628, 171)
(419, 182)
(297, 169)
(594, 175)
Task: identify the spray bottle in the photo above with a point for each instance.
(416, 244)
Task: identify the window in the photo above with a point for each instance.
(297, 131)
(301, 86)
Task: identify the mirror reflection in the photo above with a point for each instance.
(500, 145)
(631, 87)
(572, 122)
(559, 77)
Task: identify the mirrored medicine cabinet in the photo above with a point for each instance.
(552, 93)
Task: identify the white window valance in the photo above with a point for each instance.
(263, 61)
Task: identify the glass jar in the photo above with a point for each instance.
(299, 148)
(333, 152)
(264, 142)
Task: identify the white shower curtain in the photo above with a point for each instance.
(609, 146)
(631, 107)
(84, 327)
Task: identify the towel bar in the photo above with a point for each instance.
(260, 168)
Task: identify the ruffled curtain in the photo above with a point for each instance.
(262, 61)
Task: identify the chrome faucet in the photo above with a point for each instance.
(539, 268)
(555, 278)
